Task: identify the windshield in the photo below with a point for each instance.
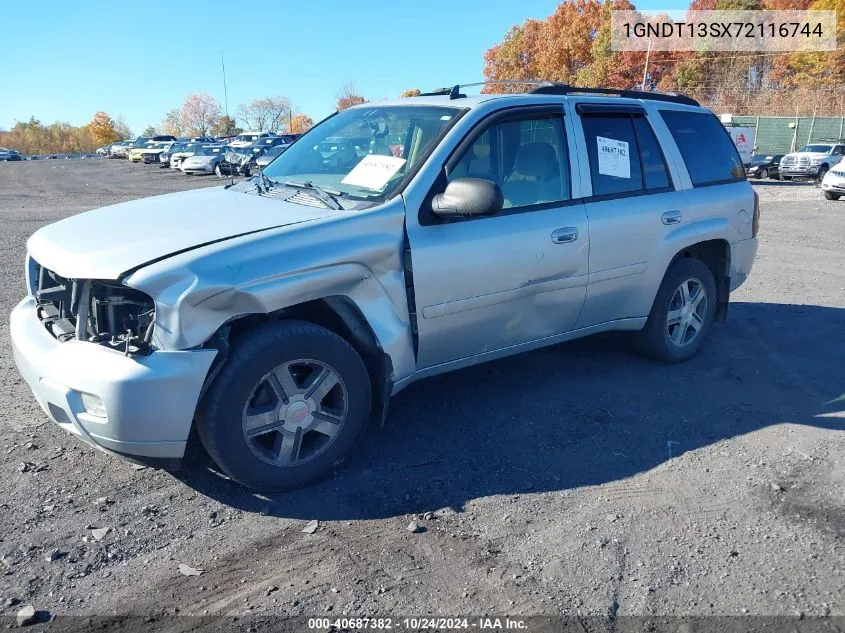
(819, 149)
(363, 152)
(275, 151)
(208, 151)
(244, 138)
(762, 158)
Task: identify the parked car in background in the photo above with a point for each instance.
(154, 151)
(269, 156)
(120, 149)
(136, 154)
(239, 161)
(103, 151)
(811, 161)
(204, 160)
(764, 166)
(9, 154)
(199, 139)
(833, 183)
(248, 138)
(177, 155)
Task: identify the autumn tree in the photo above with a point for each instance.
(412, 92)
(348, 97)
(101, 129)
(172, 123)
(226, 126)
(269, 114)
(300, 123)
(200, 113)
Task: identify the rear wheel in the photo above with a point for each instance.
(682, 313)
(831, 196)
(288, 406)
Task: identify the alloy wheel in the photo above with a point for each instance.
(687, 312)
(295, 412)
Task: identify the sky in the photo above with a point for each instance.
(64, 61)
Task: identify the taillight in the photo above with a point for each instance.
(755, 221)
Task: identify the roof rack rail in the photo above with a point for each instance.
(453, 93)
(548, 88)
(553, 88)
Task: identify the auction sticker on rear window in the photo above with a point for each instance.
(614, 159)
(373, 172)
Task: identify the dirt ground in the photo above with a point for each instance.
(581, 479)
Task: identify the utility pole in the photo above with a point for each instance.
(225, 91)
(645, 70)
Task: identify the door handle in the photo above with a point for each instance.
(671, 217)
(562, 236)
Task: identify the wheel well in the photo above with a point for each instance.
(716, 255)
(337, 314)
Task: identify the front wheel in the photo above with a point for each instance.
(822, 173)
(682, 313)
(288, 406)
(218, 171)
(764, 174)
(831, 196)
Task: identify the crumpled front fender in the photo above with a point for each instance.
(354, 256)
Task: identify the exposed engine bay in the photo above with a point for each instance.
(102, 312)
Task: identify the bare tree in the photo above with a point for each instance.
(348, 96)
(270, 114)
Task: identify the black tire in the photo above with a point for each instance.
(764, 174)
(831, 196)
(786, 177)
(822, 172)
(218, 170)
(654, 339)
(252, 357)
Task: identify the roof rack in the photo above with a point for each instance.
(549, 88)
(553, 88)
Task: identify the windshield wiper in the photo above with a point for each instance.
(321, 194)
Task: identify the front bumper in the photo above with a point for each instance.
(742, 260)
(205, 168)
(834, 185)
(149, 400)
(793, 170)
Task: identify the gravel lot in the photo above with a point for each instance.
(581, 479)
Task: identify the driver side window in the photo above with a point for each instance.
(526, 157)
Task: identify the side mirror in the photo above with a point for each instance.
(468, 197)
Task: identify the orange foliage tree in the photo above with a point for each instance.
(102, 129)
(300, 123)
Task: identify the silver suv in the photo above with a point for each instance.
(277, 316)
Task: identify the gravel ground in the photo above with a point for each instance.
(580, 479)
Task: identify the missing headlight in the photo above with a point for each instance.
(101, 312)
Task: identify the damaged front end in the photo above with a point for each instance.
(103, 312)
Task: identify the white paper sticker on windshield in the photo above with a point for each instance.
(373, 172)
(613, 157)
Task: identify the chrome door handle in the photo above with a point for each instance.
(562, 236)
(671, 217)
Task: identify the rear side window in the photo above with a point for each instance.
(624, 155)
(708, 151)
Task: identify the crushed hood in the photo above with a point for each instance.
(106, 243)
